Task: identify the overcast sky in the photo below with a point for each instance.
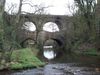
(57, 7)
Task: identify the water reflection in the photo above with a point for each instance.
(49, 54)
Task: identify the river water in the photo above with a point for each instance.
(69, 65)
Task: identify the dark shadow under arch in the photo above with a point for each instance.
(23, 42)
(59, 42)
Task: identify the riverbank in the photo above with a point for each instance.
(90, 52)
(22, 58)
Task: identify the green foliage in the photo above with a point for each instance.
(1, 32)
(86, 13)
(24, 58)
(35, 50)
(84, 24)
(91, 51)
(1, 20)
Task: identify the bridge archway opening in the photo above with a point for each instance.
(28, 43)
(51, 27)
(29, 26)
(59, 42)
(50, 49)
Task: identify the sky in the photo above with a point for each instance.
(49, 27)
(29, 26)
(56, 7)
(52, 27)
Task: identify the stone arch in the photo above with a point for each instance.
(51, 27)
(27, 33)
(59, 42)
(49, 42)
(49, 49)
(53, 42)
(27, 42)
(29, 26)
(30, 19)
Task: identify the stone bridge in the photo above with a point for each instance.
(39, 35)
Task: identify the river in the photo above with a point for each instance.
(69, 65)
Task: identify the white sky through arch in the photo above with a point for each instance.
(29, 26)
(50, 27)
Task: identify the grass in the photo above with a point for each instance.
(91, 51)
(35, 51)
(24, 58)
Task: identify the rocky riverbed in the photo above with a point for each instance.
(59, 69)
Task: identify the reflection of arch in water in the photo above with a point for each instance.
(50, 48)
(51, 27)
(30, 26)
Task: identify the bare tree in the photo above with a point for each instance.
(87, 10)
(11, 25)
(38, 10)
(2, 4)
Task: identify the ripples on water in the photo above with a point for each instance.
(60, 69)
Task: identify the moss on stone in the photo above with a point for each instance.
(24, 58)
